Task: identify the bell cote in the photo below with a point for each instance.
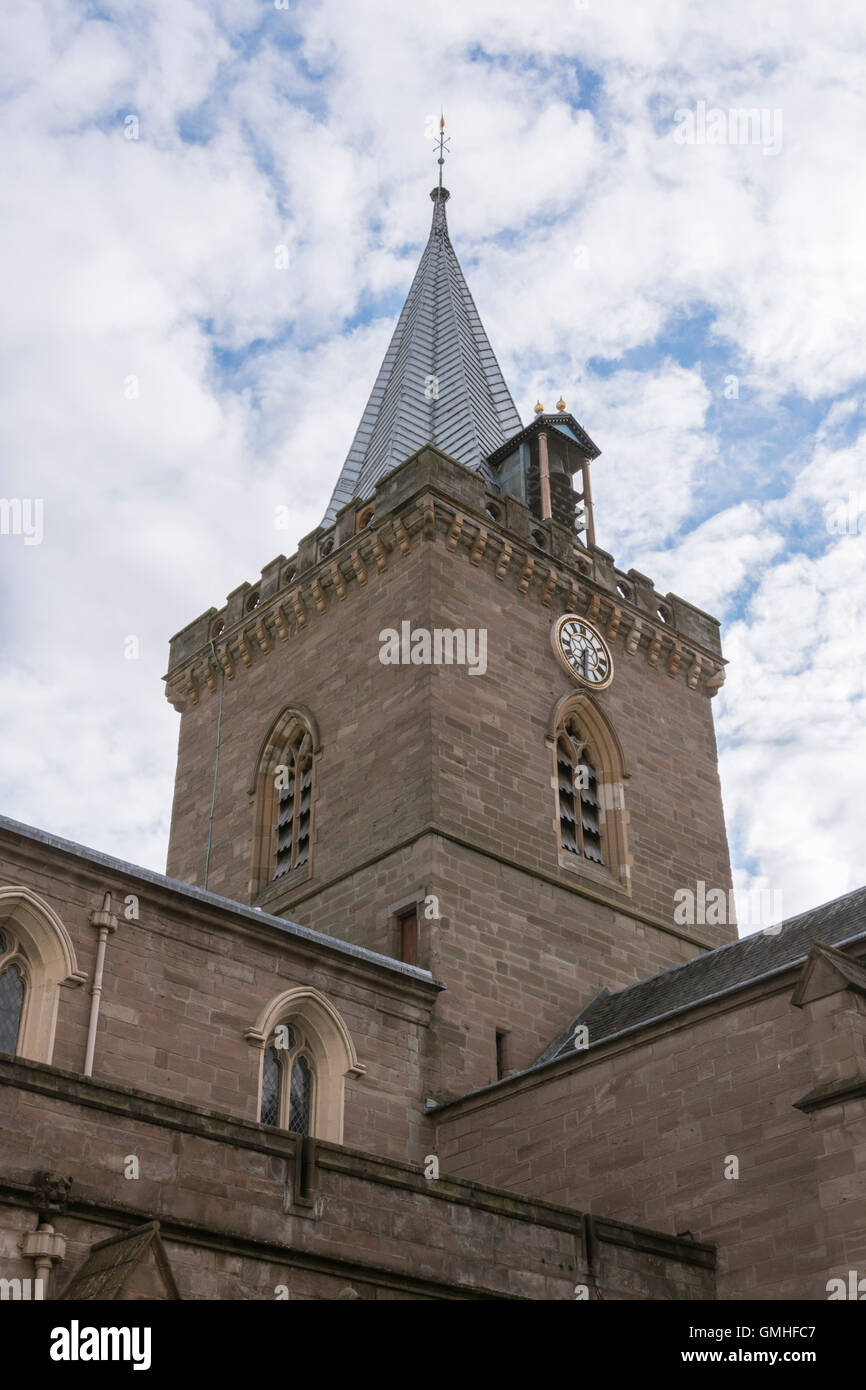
(546, 466)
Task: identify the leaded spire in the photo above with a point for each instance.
(439, 382)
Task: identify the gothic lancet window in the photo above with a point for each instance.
(306, 1055)
(295, 787)
(12, 990)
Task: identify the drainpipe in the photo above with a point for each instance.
(105, 922)
(544, 471)
(45, 1249)
(216, 765)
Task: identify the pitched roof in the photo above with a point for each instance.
(110, 1264)
(191, 893)
(716, 972)
(467, 412)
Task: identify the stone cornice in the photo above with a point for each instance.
(149, 1109)
(202, 1236)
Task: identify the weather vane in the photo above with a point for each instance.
(442, 146)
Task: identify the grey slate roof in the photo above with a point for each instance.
(203, 895)
(716, 972)
(438, 334)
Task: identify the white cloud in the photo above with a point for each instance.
(712, 563)
(137, 257)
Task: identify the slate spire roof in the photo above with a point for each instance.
(439, 382)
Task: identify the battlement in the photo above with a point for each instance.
(427, 493)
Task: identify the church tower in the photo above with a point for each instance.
(448, 728)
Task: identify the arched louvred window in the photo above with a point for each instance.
(301, 1097)
(295, 786)
(271, 1079)
(589, 781)
(590, 823)
(568, 832)
(305, 797)
(579, 811)
(12, 990)
(284, 789)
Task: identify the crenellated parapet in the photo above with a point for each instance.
(432, 498)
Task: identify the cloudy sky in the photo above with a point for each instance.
(691, 283)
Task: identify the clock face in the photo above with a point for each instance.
(582, 651)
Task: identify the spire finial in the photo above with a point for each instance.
(442, 146)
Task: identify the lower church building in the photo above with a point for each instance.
(440, 996)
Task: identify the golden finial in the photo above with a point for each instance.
(560, 404)
(442, 121)
(538, 407)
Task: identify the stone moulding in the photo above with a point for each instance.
(383, 1176)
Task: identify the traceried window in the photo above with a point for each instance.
(579, 810)
(270, 1112)
(37, 958)
(307, 1054)
(288, 1082)
(13, 987)
(301, 1096)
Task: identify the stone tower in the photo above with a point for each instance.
(382, 739)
